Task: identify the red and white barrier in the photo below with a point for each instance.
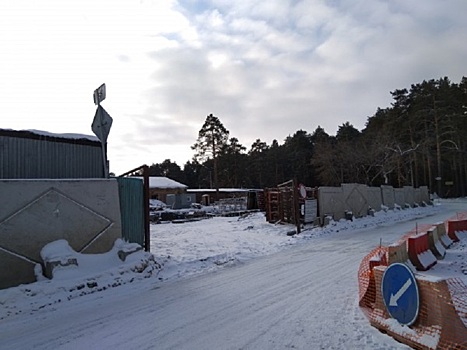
(456, 226)
(419, 252)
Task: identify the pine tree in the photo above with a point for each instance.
(212, 140)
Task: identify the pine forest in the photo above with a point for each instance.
(420, 140)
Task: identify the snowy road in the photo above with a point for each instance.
(304, 297)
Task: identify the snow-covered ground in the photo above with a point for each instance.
(265, 289)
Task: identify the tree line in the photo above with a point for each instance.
(420, 140)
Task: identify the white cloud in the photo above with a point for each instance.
(266, 69)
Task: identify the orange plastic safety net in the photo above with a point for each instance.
(415, 231)
(366, 280)
(441, 322)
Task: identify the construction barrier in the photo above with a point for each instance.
(456, 226)
(442, 234)
(397, 253)
(438, 325)
(415, 231)
(419, 252)
(441, 319)
(434, 243)
(367, 291)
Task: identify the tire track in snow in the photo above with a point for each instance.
(300, 298)
(299, 294)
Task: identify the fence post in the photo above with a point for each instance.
(296, 206)
(147, 236)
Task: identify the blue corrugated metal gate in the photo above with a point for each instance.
(131, 192)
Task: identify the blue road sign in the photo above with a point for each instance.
(400, 293)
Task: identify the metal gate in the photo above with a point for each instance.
(131, 191)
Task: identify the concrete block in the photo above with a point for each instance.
(327, 219)
(435, 244)
(122, 254)
(50, 266)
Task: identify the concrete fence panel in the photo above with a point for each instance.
(399, 197)
(409, 195)
(424, 194)
(331, 202)
(34, 213)
(356, 199)
(387, 193)
(375, 199)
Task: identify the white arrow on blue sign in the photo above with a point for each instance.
(400, 293)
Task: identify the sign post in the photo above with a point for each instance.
(400, 293)
(101, 124)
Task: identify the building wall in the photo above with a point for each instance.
(180, 201)
(26, 155)
(34, 213)
(216, 196)
(161, 193)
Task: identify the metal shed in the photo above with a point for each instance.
(33, 154)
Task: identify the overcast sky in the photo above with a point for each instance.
(265, 68)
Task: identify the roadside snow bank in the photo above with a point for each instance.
(91, 273)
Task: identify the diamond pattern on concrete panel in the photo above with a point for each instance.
(47, 218)
(357, 201)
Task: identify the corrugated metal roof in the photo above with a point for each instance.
(32, 155)
(45, 135)
(163, 182)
